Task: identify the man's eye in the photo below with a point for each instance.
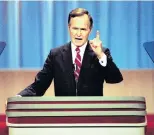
(75, 28)
(83, 29)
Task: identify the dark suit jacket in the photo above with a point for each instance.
(59, 66)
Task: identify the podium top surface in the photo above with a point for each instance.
(98, 98)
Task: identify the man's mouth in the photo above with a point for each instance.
(78, 38)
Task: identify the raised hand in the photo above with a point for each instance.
(96, 45)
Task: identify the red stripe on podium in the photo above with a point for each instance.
(76, 120)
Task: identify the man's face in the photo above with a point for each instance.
(79, 29)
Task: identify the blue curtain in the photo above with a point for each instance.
(31, 29)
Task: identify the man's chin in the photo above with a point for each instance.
(79, 43)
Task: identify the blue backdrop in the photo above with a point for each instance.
(31, 29)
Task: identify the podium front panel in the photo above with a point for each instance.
(109, 114)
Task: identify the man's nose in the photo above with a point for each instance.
(79, 33)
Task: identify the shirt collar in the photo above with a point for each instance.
(82, 48)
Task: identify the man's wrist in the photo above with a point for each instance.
(100, 56)
(103, 60)
(18, 96)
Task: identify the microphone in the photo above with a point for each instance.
(74, 66)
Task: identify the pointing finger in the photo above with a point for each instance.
(97, 35)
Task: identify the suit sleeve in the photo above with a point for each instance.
(42, 80)
(112, 72)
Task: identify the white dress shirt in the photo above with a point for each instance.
(102, 61)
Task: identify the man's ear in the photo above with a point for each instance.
(69, 25)
(90, 30)
(68, 28)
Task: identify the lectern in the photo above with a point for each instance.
(76, 115)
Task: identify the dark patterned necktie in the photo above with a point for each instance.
(77, 64)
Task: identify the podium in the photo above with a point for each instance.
(76, 115)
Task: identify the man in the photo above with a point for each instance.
(79, 67)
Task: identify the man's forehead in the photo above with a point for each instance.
(84, 17)
(80, 21)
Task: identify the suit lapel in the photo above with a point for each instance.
(88, 57)
(67, 58)
(68, 68)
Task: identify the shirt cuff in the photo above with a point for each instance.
(18, 96)
(103, 60)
